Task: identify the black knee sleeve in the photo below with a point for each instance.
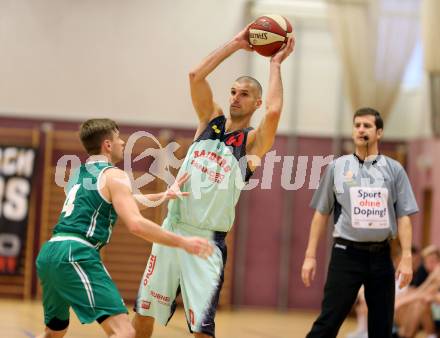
(102, 318)
(56, 324)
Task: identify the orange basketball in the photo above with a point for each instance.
(268, 33)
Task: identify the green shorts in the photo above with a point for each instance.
(170, 271)
(72, 275)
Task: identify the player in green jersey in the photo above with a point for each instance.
(69, 264)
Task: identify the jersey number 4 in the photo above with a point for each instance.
(70, 199)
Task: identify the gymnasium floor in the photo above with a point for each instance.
(20, 319)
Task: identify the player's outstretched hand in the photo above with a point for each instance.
(174, 191)
(285, 51)
(243, 39)
(198, 246)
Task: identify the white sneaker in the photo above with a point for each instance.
(358, 334)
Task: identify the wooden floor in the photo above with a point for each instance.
(24, 319)
(19, 319)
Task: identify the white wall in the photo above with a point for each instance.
(410, 117)
(311, 76)
(127, 60)
(316, 102)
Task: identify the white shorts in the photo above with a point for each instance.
(170, 271)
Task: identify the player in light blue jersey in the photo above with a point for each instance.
(69, 265)
(219, 164)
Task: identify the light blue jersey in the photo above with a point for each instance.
(218, 170)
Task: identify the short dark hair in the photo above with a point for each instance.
(92, 132)
(378, 121)
(257, 84)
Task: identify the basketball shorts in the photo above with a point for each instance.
(71, 274)
(171, 271)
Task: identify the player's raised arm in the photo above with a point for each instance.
(261, 140)
(123, 201)
(201, 93)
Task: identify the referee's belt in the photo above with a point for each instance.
(367, 246)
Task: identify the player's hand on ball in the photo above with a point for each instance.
(285, 51)
(174, 191)
(243, 39)
(198, 246)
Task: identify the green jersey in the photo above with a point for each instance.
(85, 211)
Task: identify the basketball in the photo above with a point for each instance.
(268, 33)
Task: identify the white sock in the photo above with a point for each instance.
(363, 323)
(432, 335)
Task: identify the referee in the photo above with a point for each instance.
(371, 199)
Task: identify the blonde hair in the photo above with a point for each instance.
(431, 249)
